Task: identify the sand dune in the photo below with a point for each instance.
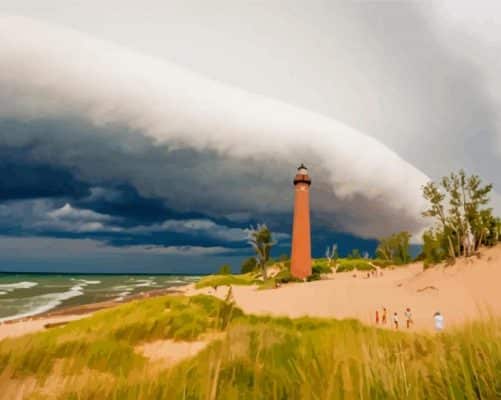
(31, 325)
(468, 290)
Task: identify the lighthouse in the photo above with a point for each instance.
(301, 236)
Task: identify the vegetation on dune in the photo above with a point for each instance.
(361, 264)
(224, 269)
(105, 341)
(354, 254)
(256, 358)
(458, 204)
(226, 280)
(395, 248)
(248, 265)
(261, 240)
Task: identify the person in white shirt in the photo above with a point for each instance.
(439, 321)
(395, 320)
(408, 317)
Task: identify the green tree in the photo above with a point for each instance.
(458, 203)
(248, 265)
(354, 254)
(395, 248)
(261, 240)
(433, 250)
(225, 269)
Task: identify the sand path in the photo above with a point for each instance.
(19, 328)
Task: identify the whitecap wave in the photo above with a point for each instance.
(122, 295)
(45, 302)
(18, 285)
(145, 282)
(89, 282)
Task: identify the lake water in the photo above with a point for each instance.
(30, 294)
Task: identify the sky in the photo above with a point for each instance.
(148, 137)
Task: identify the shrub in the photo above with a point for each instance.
(225, 280)
(321, 269)
(354, 254)
(350, 265)
(314, 277)
(225, 269)
(248, 265)
(285, 276)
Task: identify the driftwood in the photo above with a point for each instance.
(55, 324)
(427, 288)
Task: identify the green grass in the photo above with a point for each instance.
(354, 264)
(225, 280)
(256, 358)
(106, 340)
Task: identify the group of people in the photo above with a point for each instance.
(382, 318)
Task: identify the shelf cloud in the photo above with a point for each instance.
(106, 114)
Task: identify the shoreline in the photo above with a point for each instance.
(465, 292)
(62, 315)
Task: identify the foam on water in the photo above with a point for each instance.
(122, 295)
(86, 282)
(90, 282)
(145, 282)
(18, 285)
(45, 302)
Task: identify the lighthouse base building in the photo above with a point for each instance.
(301, 235)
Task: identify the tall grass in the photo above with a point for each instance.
(256, 358)
(226, 280)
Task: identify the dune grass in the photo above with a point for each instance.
(226, 280)
(256, 358)
(359, 264)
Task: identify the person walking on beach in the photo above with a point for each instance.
(408, 317)
(384, 316)
(395, 320)
(439, 321)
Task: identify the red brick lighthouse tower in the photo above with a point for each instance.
(301, 237)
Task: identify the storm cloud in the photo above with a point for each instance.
(108, 114)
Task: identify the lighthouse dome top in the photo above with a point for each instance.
(302, 170)
(302, 176)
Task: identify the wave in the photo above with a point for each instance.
(175, 281)
(45, 302)
(18, 285)
(122, 295)
(145, 282)
(89, 282)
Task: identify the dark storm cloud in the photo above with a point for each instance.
(22, 180)
(117, 117)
